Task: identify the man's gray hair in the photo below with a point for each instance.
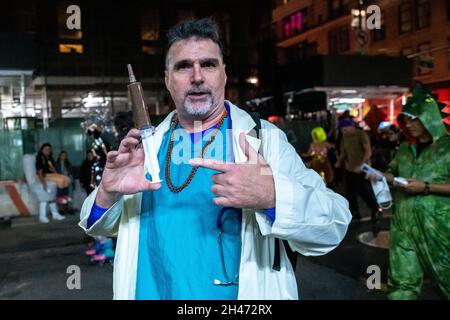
(200, 28)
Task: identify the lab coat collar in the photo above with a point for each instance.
(241, 122)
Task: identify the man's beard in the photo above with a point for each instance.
(198, 108)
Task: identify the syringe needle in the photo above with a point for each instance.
(131, 74)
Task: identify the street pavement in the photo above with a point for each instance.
(34, 262)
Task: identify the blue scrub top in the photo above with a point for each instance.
(179, 255)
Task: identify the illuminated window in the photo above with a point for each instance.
(151, 50)
(405, 17)
(423, 14)
(150, 31)
(298, 21)
(293, 21)
(293, 24)
(150, 25)
(71, 48)
(287, 29)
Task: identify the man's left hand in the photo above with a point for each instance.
(413, 186)
(242, 185)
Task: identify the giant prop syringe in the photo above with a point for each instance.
(142, 122)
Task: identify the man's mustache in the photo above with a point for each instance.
(198, 90)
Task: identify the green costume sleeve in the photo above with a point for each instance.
(393, 166)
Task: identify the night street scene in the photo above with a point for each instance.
(225, 150)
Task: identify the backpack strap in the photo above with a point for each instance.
(291, 254)
(255, 131)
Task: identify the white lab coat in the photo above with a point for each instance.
(311, 217)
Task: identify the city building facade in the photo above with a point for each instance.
(413, 30)
(65, 69)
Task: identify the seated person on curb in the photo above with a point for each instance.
(64, 167)
(46, 171)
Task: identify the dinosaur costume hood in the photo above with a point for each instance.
(426, 108)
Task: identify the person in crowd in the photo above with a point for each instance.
(385, 146)
(46, 171)
(355, 150)
(318, 150)
(212, 228)
(64, 167)
(420, 225)
(86, 173)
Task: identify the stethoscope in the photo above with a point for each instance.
(228, 281)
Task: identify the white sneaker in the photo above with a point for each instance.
(58, 217)
(43, 220)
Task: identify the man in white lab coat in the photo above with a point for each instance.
(167, 246)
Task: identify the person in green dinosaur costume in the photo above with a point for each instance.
(420, 226)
